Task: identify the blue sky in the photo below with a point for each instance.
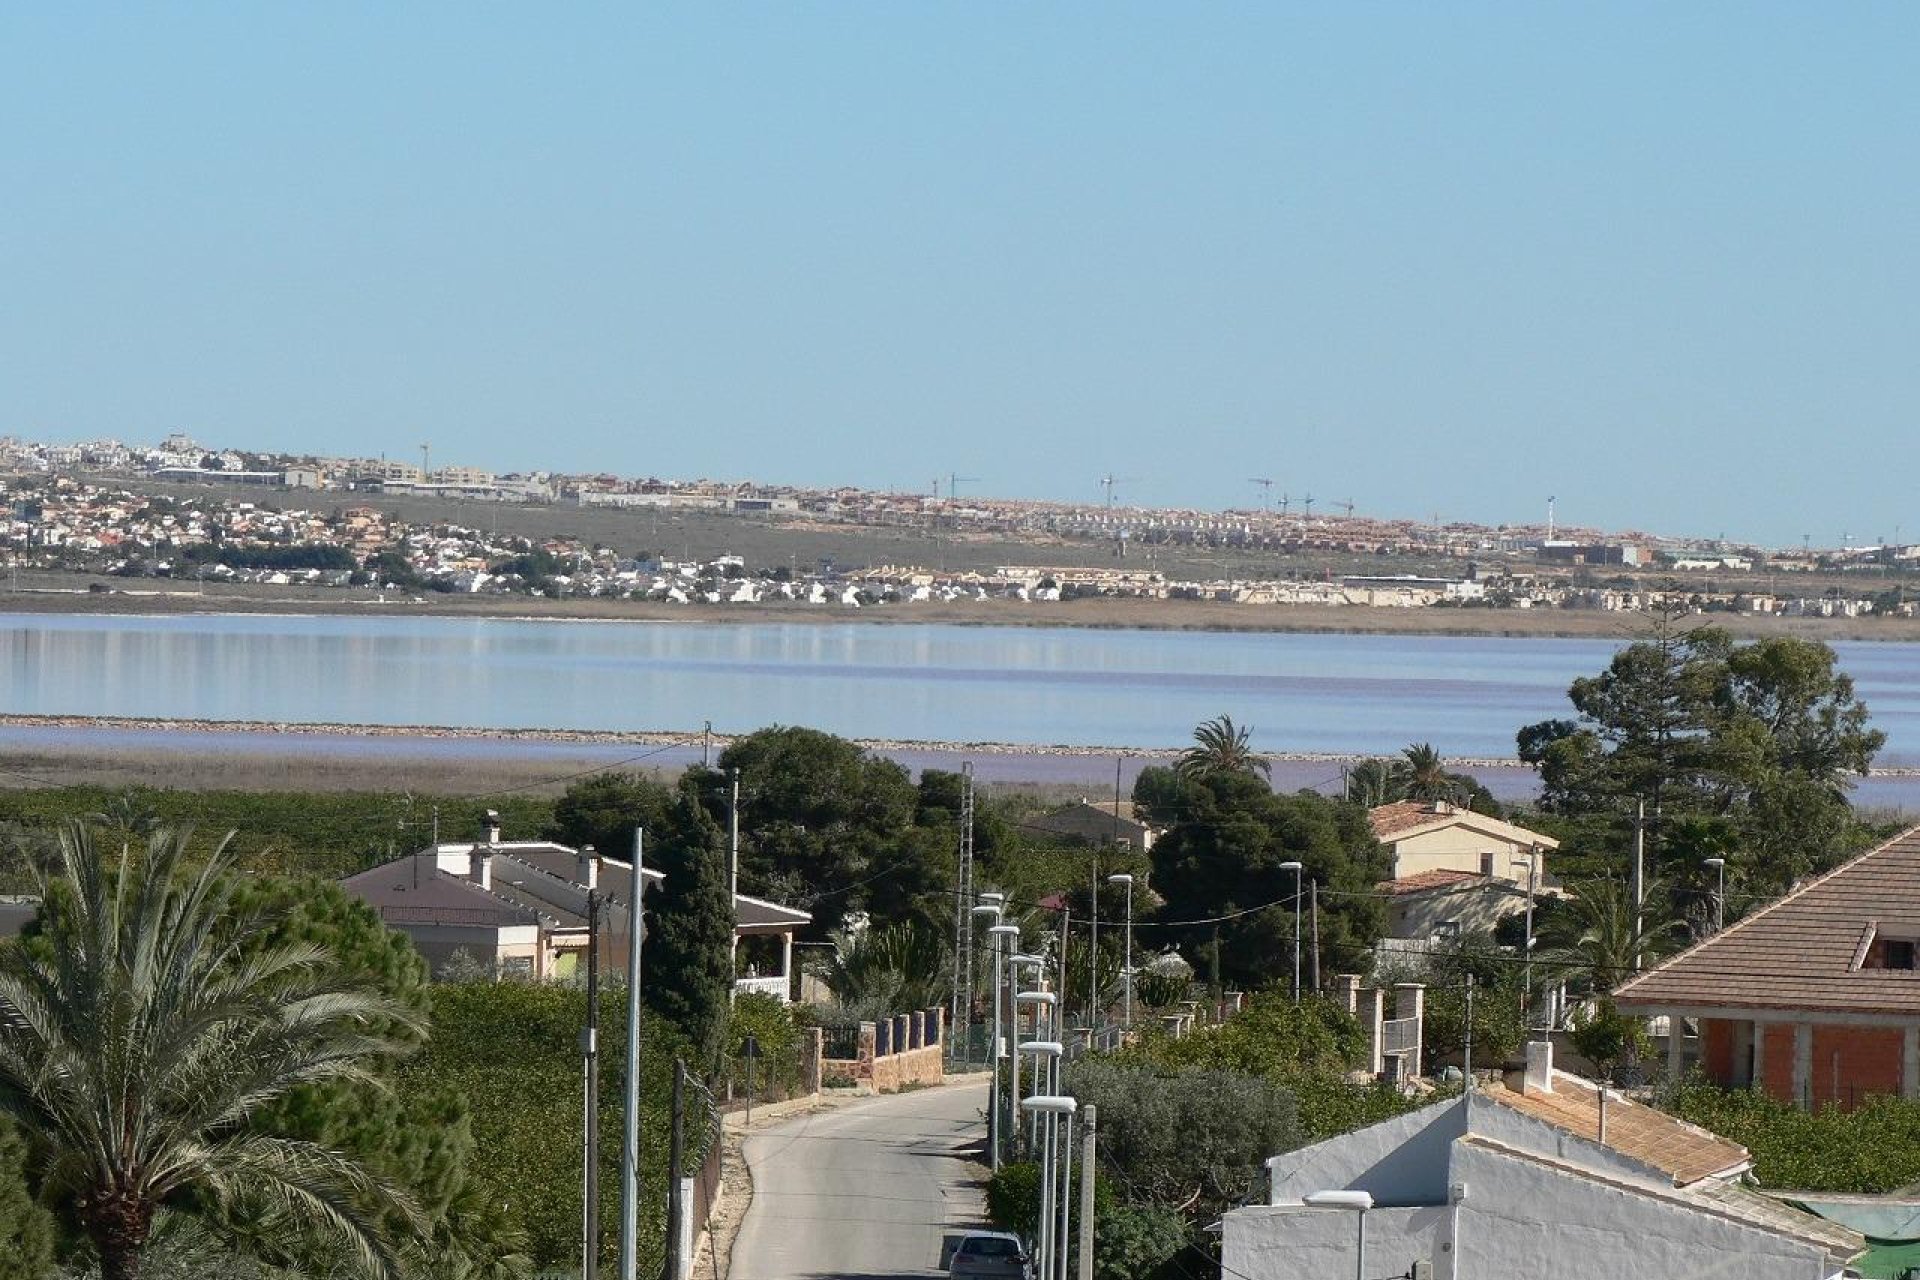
(1658, 260)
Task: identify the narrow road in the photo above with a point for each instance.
(863, 1191)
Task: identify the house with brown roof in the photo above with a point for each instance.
(1816, 998)
(1455, 871)
(1097, 822)
(520, 906)
(1546, 1175)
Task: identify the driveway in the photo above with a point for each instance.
(863, 1191)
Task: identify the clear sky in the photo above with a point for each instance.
(1656, 259)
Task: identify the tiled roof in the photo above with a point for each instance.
(1799, 954)
(412, 890)
(1684, 1152)
(1427, 881)
(1396, 821)
(1388, 819)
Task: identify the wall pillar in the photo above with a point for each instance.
(1803, 1063)
(1347, 988)
(1758, 1034)
(1910, 1063)
(1373, 1012)
(786, 961)
(1675, 1025)
(917, 1030)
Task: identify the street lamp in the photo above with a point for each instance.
(1296, 869)
(1003, 936)
(1048, 1111)
(1355, 1202)
(1126, 960)
(1533, 880)
(1720, 894)
(1040, 1000)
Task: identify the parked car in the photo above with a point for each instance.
(991, 1253)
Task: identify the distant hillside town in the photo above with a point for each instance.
(98, 508)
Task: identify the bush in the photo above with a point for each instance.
(1872, 1149)
(1187, 1133)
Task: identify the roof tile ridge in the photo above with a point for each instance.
(1626, 987)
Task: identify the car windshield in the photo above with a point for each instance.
(991, 1247)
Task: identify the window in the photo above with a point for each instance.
(1889, 953)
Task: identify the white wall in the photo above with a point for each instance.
(1292, 1242)
(1521, 1219)
(1503, 1124)
(1402, 1161)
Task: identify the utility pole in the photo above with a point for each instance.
(590, 1051)
(1085, 1269)
(676, 1158)
(733, 878)
(1313, 897)
(962, 1009)
(630, 1140)
(706, 745)
(1639, 879)
(1468, 1067)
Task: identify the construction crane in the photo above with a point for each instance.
(1307, 502)
(1109, 480)
(1266, 486)
(953, 485)
(426, 466)
(1346, 506)
(1285, 501)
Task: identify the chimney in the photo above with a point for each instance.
(1539, 1076)
(589, 871)
(493, 826)
(480, 864)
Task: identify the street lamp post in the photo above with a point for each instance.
(1296, 869)
(1040, 1000)
(1720, 894)
(1046, 1109)
(1356, 1203)
(1126, 961)
(1533, 881)
(1003, 936)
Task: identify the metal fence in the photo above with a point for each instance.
(840, 1042)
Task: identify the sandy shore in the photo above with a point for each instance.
(67, 596)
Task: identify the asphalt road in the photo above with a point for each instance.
(868, 1190)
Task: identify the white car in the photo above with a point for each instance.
(999, 1255)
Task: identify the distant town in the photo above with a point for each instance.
(161, 512)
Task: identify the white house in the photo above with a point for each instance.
(1528, 1181)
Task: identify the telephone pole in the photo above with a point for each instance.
(590, 1051)
(630, 1139)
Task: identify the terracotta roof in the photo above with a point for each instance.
(1800, 953)
(1387, 819)
(1684, 1152)
(1396, 821)
(1428, 881)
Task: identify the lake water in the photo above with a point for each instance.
(1070, 687)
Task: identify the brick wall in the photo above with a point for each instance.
(1851, 1064)
(1776, 1071)
(1716, 1050)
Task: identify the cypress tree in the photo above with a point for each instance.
(689, 943)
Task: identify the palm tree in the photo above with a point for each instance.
(1422, 773)
(1220, 746)
(1372, 783)
(151, 1022)
(1598, 939)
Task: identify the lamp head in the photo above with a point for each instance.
(1290, 866)
(1051, 1104)
(1357, 1201)
(1120, 878)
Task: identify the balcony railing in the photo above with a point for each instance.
(776, 986)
